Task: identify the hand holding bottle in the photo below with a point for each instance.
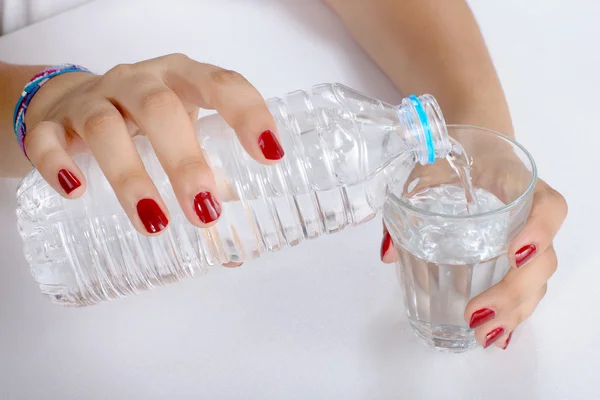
(159, 98)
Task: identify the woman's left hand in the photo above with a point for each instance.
(496, 313)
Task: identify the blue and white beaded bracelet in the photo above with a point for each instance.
(30, 90)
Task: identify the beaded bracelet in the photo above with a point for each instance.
(30, 90)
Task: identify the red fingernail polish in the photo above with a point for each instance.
(207, 208)
(524, 254)
(270, 146)
(385, 244)
(507, 341)
(492, 336)
(480, 317)
(68, 181)
(151, 215)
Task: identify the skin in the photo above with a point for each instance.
(424, 46)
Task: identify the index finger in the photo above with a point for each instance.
(547, 215)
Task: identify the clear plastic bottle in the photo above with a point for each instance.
(343, 152)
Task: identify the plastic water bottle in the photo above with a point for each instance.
(344, 151)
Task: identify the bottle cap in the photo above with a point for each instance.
(426, 127)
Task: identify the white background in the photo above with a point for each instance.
(325, 319)
(16, 14)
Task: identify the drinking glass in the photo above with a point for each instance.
(447, 255)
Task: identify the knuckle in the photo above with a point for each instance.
(523, 314)
(552, 198)
(190, 164)
(161, 99)
(225, 76)
(159, 63)
(527, 309)
(101, 121)
(511, 294)
(120, 71)
(561, 202)
(126, 178)
(41, 145)
(552, 261)
(32, 136)
(178, 57)
(42, 159)
(245, 117)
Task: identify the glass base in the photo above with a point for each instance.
(445, 338)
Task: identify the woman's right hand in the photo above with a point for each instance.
(159, 98)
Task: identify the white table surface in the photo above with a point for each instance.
(325, 319)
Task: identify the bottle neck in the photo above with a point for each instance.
(423, 127)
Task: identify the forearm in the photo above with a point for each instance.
(431, 46)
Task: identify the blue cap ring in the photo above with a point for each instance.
(426, 128)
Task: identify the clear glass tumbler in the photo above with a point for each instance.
(446, 255)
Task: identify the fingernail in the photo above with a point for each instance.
(507, 341)
(524, 254)
(151, 215)
(480, 317)
(385, 244)
(68, 181)
(492, 336)
(270, 146)
(207, 208)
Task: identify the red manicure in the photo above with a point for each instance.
(385, 244)
(524, 254)
(151, 215)
(492, 336)
(480, 317)
(507, 341)
(68, 181)
(270, 146)
(207, 208)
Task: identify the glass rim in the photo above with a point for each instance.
(501, 210)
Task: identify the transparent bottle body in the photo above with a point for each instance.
(343, 153)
